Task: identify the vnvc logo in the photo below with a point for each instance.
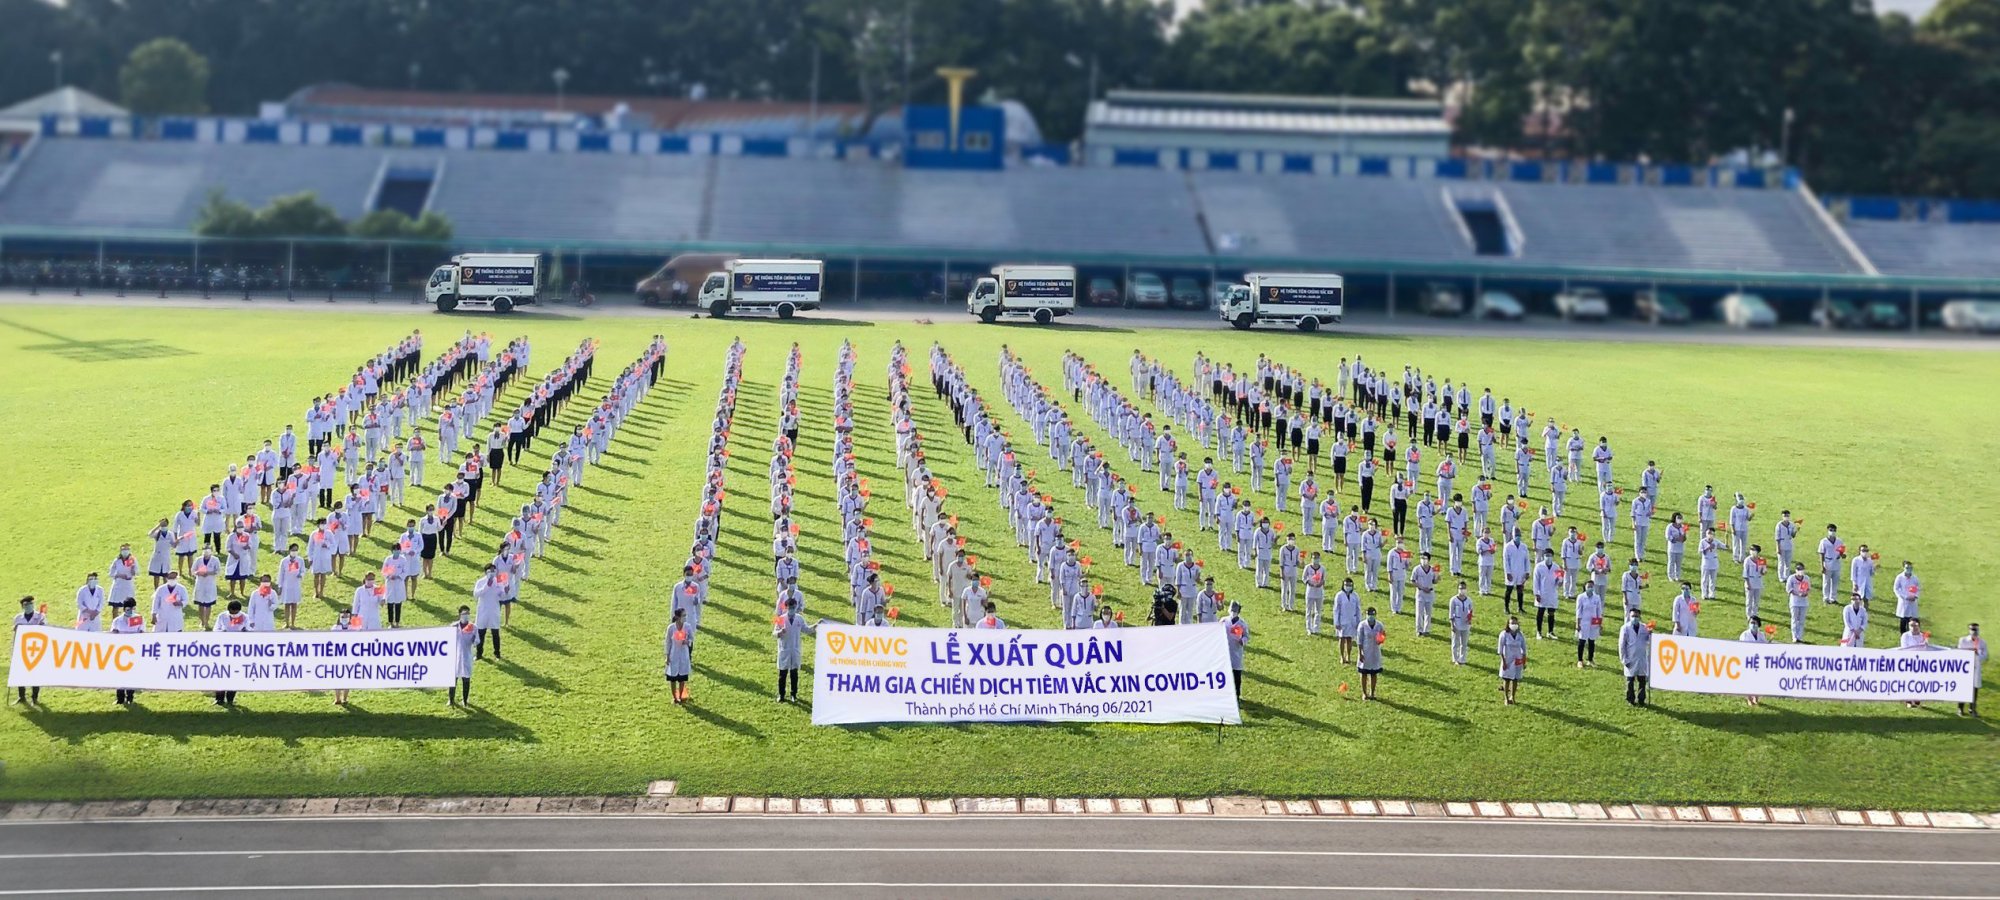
(72, 654)
(1695, 662)
(867, 645)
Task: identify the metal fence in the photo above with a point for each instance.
(163, 265)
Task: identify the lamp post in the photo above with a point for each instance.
(416, 69)
(1785, 140)
(56, 59)
(561, 76)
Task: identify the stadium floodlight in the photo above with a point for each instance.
(561, 77)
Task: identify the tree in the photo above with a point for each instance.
(395, 225)
(222, 217)
(299, 215)
(1288, 48)
(164, 76)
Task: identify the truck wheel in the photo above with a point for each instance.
(1044, 316)
(1243, 321)
(447, 302)
(718, 310)
(1309, 323)
(989, 315)
(503, 305)
(785, 310)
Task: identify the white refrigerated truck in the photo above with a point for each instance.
(496, 281)
(777, 286)
(1303, 300)
(1038, 292)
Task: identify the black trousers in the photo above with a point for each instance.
(1237, 675)
(1635, 690)
(28, 695)
(483, 632)
(1541, 614)
(395, 611)
(1367, 493)
(788, 677)
(1400, 515)
(1586, 650)
(462, 692)
(1511, 594)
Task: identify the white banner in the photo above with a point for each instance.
(1808, 671)
(1166, 673)
(233, 660)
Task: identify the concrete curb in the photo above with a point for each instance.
(666, 803)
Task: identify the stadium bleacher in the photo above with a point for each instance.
(1929, 248)
(160, 186)
(863, 206)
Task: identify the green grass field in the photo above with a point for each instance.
(116, 414)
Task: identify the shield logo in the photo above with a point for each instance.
(836, 641)
(33, 645)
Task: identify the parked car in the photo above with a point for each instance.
(1972, 315)
(1498, 305)
(1441, 298)
(1102, 292)
(1831, 312)
(1741, 310)
(1660, 308)
(1583, 303)
(1187, 293)
(1884, 315)
(1146, 289)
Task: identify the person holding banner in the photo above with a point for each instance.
(346, 621)
(789, 629)
(1635, 653)
(1977, 646)
(679, 648)
(233, 620)
(1371, 634)
(1589, 625)
(466, 637)
(1239, 638)
(1915, 638)
(29, 616)
(1755, 635)
(1513, 650)
(129, 622)
(1854, 624)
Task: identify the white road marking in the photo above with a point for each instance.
(988, 851)
(959, 886)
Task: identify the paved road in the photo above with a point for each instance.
(871, 312)
(758, 856)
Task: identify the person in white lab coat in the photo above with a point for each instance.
(788, 628)
(1513, 650)
(1635, 654)
(1754, 634)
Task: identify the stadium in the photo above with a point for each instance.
(643, 360)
